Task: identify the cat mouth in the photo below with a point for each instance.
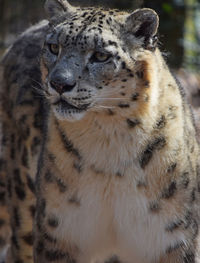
(64, 105)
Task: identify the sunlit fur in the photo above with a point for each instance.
(127, 151)
(118, 171)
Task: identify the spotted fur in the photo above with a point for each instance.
(110, 154)
(22, 118)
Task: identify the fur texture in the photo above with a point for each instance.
(118, 171)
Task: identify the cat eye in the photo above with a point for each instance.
(54, 48)
(100, 57)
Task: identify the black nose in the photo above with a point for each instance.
(62, 87)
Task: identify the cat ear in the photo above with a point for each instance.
(57, 8)
(142, 23)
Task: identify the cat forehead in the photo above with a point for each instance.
(100, 13)
(89, 19)
(87, 23)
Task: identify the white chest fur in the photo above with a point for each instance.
(113, 215)
(113, 218)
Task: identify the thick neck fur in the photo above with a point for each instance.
(109, 143)
(122, 164)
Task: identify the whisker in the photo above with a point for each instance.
(99, 98)
(37, 82)
(41, 92)
(104, 107)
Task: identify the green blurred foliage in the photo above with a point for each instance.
(191, 40)
(167, 7)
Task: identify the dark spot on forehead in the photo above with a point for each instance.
(123, 64)
(84, 14)
(112, 43)
(89, 19)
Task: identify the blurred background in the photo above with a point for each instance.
(179, 31)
